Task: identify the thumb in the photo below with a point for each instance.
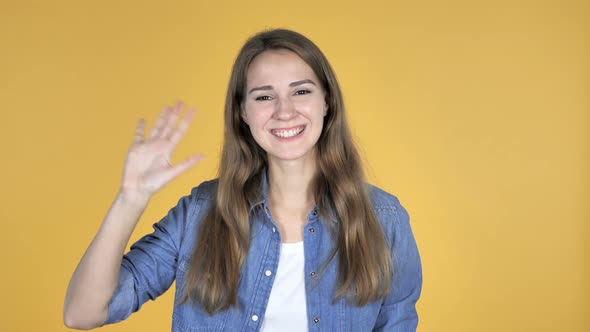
(184, 165)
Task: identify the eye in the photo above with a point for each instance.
(302, 92)
(263, 98)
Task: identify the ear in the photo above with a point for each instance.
(325, 109)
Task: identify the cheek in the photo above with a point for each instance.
(256, 119)
(316, 111)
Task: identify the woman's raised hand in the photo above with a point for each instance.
(147, 167)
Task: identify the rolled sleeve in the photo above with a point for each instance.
(149, 268)
(398, 312)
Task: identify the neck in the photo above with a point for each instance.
(290, 183)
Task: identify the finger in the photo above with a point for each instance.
(160, 122)
(171, 121)
(185, 165)
(182, 127)
(139, 131)
(168, 161)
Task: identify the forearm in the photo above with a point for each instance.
(95, 278)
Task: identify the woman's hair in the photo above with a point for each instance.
(364, 261)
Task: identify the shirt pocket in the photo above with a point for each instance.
(189, 317)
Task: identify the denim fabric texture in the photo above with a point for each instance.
(158, 259)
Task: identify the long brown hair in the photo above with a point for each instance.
(340, 189)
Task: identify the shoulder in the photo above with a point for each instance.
(383, 200)
(204, 191)
(388, 209)
(197, 202)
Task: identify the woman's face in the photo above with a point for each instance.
(284, 105)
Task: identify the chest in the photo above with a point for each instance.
(257, 278)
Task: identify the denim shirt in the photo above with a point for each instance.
(159, 258)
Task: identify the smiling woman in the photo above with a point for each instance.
(286, 104)
(289, 237)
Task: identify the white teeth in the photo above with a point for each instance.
(287, 133)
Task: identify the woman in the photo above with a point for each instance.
(288, 238)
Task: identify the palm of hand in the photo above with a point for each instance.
(147, 167)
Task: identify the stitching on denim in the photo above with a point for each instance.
(386, 208)
(258, 282)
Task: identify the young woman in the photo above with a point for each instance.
(290, 237)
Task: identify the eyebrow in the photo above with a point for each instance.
(269, 87)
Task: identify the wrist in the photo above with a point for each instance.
(134, 198)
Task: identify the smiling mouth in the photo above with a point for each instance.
(286, 133)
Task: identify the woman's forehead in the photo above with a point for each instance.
(278, 66)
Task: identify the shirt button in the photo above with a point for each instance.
(267, 273)
(316, 320)
(312, 230)
(274, 229)
(315, 212)
(255, 318)
(313, 274)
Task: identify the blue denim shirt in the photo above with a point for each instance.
(159, 258)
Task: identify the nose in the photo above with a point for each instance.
(285, 110)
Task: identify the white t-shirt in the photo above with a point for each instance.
(287, 310)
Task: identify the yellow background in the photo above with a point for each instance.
(476, 114)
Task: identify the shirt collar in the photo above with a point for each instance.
(263, 200)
